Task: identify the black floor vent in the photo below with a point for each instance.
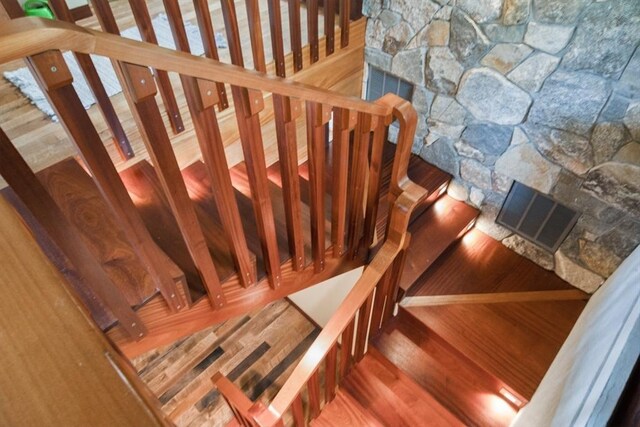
(380, 83)
(536, 217)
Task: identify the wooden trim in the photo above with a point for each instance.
(497, 297)
(25, 37)
(81, 12)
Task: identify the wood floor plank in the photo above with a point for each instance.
(515, 342)
(479, 264)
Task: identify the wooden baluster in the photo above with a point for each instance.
(298, 412)
(373, 194)
(312, 30)
(346, 349)
(286, 111)
(358, 181)
(255, 31)
(28, 188)
(330, 374)
(330, 26)
(382, 290)
(203, 15)
(201, 97)
(343, 122)
(143, 21)
(277, 42)
(233, 31)
(248, 104)
(395, 275)
(364, 315)
(55, 80)
(141, 86)
(317, 117)
(345, 15)
(313, 387)
(63, 13)
(296, 34)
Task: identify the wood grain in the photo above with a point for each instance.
(68, 377)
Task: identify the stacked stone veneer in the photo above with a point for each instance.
(546, 92)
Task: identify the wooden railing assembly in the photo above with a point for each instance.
(344, 340)
(355, 183)
(358, 133)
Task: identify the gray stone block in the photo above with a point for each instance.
(467, 42)
(571, 151)
(570, 101)
(531, 74)
(505, 56)
(617, 184)
(491, 140)
(481, 11)
(548, 38)
(523, 163)
(505, 34)
(489, 96)
(558, 11)
(606, 38)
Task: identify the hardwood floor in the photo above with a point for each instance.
(378, 390)
(250, 350)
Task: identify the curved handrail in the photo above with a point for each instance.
(24, 37)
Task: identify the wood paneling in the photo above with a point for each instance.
(60, 369)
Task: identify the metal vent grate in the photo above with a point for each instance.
(536, 217)
(380, 83)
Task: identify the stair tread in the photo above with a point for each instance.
(461, 386)
(515, 342)
(344, 410)
(480, 264)
(144, 186)
(432, 233)
(391, 396)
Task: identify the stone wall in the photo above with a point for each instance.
(546, 92)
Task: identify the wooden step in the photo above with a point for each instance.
(514, 342)
(81, 202)
(344, 410)
(479, 264)
(391, 396)
(459, 384)
(432, 233)
(147, 194)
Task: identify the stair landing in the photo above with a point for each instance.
(377, 393)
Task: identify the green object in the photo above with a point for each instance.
(38, 8)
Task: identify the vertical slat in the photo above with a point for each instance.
(298, 412)
(330, 26)
(357, 184)
(76, 121)
(373, 195)
(255, 31)
(343, 121)
(330, 374)
(382, 289)
(159, 147)
(25, 184)
(203, 15)
(317, 116)
(248, 104)
(62, 12)
(345, 22)
(364, 315)
(210, 141)
(286, 110)
(313, 387)
(277, 42)
(395, 274)
(143, 21)
(296, 34)
(312, 30)
(346, 348)
(233, 32)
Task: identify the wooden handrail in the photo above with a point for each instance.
(408, 196)
(25, 37)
